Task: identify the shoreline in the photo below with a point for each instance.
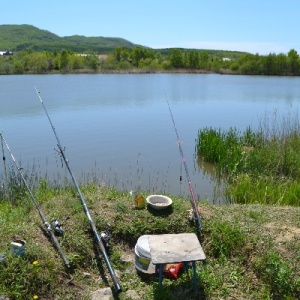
(132, 71)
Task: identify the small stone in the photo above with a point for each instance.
(131, 270)
(133, 295)
(102, 294)
(118, 273)
(127, 257)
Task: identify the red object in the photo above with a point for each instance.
(171, 271)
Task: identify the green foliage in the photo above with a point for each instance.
(146, 221)
(21, 37)
(222, 148)
(44, 62)
(20, 276)
(45, 190)
(235, 240)
(271, 64)
(42, 47)
(176, 58)
(247, 189)
(258, 167)
(227, 240)
(278, 275)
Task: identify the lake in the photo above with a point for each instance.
(117, 128)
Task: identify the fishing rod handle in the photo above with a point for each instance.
(108, 264)
(105, 256)
(58, 247)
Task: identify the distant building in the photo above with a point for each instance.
(102, 56)
(5, 53)
(226, 59)
(82, 54)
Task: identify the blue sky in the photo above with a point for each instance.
(255, 26)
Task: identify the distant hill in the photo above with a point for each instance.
(21, 37)
(215, 53)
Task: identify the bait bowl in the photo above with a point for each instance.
(159, 202)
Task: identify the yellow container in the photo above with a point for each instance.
(139, 201)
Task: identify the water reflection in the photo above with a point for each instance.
(117, 128)
(209, 171)
(207, 168)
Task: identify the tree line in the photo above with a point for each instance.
(145, 59)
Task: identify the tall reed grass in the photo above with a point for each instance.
(13, 188)
(261, 166)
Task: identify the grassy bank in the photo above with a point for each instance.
(261, 166)
(252, 250)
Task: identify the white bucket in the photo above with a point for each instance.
(18, 247)
(143, 256)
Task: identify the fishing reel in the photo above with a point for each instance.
(191, 216)
(105, 236)
(57, 227)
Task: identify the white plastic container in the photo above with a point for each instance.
(159, 202)
(143, 256)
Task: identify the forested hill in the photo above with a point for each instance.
(47, 52)
(20, 37)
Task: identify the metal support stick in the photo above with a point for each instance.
(195, 278)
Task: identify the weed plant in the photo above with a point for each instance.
(260, 166)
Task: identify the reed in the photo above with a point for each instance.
(261, 166)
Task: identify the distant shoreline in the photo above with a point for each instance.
(131, 71)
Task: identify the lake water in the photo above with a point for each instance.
(117, 128)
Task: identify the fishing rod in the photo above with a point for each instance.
(92, 224)
(193, 200)
(7, 193)
(46, 224)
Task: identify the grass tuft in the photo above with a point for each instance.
(260, 166)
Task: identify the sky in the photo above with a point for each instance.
(255, 26)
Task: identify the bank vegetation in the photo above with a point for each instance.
(142, 60)
(252, 251)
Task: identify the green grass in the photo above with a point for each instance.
(260, 166)
(277, 274)
(252, 250)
